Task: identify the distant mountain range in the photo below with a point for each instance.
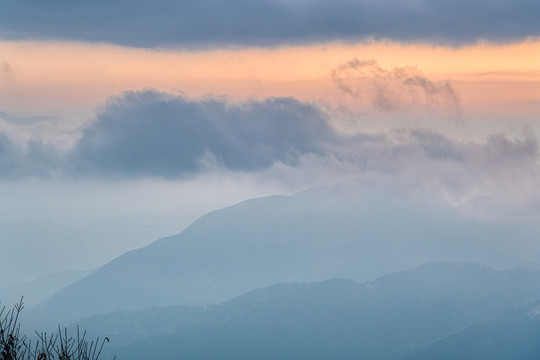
(39, 290)
(512, 335)
(398, 316)
(344, 231)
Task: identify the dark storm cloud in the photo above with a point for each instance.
(155, 134)
(207, 23)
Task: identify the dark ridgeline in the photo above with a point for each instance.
(393, 317)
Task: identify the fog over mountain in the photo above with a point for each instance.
(151, 162)
(39, 290)
(347, 230)
(388, 318)
(511, 335)
(188, 173)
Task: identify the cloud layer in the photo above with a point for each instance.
(151, 134)
(155, 134)
(400, 89)
(208, 23)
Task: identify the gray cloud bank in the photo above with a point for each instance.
(151, 134)
(207, 23)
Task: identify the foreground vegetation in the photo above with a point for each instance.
(58, 346)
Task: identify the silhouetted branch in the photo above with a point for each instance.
(59, 346)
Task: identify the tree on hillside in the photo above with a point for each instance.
(58, 346)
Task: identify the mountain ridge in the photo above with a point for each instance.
(386, 318)
(317, 234)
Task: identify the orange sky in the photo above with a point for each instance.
(47, 77)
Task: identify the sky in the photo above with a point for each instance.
(122, 122)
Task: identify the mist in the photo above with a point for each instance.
(272, 180)
(113, 190)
